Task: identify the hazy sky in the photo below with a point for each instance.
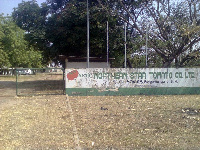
(6, 6)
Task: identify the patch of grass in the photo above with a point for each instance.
(7, 78)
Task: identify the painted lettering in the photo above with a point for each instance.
(170, 75)
(141, 75)
(137, 75)
(191, 74)
(120, 75)
(165, 75)
(156, 75)
(178, 75)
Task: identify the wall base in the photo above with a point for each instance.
(133, 91)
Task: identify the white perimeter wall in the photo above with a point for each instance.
(102, 78)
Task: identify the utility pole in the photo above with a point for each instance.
(146, 47)
(107, 44)
(88, 38)
(125, 45)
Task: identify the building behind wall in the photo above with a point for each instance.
(81, 62)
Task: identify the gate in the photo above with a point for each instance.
(39, 81)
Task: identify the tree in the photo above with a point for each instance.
(60, 27)
(15, 50)
(174, 27)
(4, 60)
(67, 28)
(178, 34)
(32, 18)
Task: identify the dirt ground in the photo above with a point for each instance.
(138, 122)
(58, 122)
(40, 84)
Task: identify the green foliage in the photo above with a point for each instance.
(67, 30)
(59, 27)
(32, 18)
(15, 51)
(26, 58)
(26, 15)
(4, 60)
(139, 61)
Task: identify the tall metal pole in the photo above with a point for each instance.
(146, 44)
(88, 38)
(16, 82)
(107, 45)
(125, 45)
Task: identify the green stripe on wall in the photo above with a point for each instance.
(133, 91)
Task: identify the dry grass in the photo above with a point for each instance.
(128, 122)
(104, 122)
(7, 78)
(137, 122)
(36, 123)
(41, 83)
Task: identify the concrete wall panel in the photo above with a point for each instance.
(120, 81)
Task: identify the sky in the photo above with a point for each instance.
(6, 6)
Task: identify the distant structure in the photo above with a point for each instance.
(81, 62)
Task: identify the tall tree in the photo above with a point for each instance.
(14, 49)
(173, 27)
(67, 29)
(32, 18)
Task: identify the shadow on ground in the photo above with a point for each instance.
(7, 88)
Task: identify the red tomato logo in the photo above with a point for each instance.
(72, 75)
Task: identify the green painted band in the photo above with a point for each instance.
(133, 91)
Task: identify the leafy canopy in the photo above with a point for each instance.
(15, 50)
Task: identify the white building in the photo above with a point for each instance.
(81, 62)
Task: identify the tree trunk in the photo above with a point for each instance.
(176, 62)
(166, 64)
